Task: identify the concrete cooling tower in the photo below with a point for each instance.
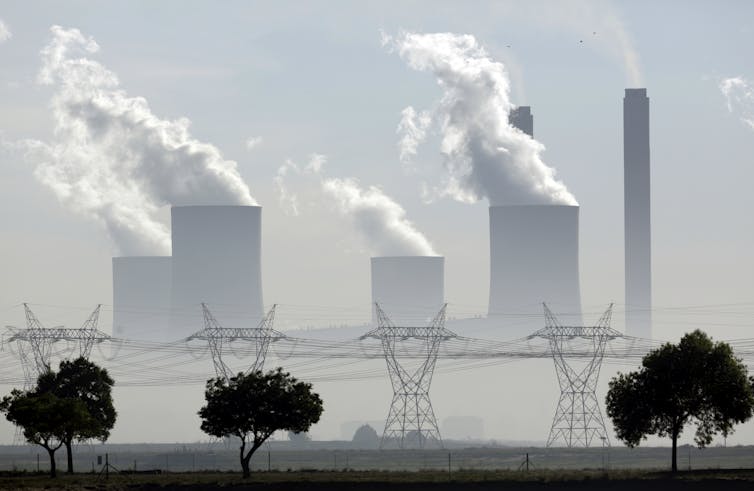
(534, 258)
(410, 289)
(637, 213)
(141, 297)
(216, 260)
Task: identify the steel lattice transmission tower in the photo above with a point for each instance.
(219, 338)
(411, 419)
(35, 343)
(578, 419)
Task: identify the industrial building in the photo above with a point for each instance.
(141, 297)
(637, 215)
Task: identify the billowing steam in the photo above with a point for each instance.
(113, 159)
(485, 157)
(380, 220)
(5, 33)
(739, 95)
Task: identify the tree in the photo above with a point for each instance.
(45, 418)
(694, 382)
(255, 405)
(84, 381)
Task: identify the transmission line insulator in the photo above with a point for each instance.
(411, 420)
(578, 419)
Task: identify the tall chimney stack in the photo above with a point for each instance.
(522, 119)
(637, 216)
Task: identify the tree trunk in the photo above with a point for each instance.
(244, 459)
(69, 453)
(674, 467)
(53, 467)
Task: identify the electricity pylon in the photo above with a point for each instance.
(218, 338)
(578, 419)
(411, 419)
(35, 343)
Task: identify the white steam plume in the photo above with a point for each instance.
(380, 220)
(5, 33)
(253, 142)
(289, 201)
(485, 157)
(413, 130)
(739, 96)
(112, 159)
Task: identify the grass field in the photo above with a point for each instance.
(374, 480)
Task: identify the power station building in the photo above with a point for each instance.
(637, 216)
(534, 258)
(141, 297)
(216, 260)
(410, 289)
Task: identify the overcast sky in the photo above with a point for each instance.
(314, 89)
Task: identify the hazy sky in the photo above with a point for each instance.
(297, 93)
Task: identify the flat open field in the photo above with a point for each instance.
(333, 465)
(421, 480)
(337, 456)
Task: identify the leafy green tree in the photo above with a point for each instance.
(45, 418)
(255, 405)
(84, 381)
(694, 382)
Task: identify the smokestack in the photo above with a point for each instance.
(141, 297)
(534, 258)
(522, 118)
(637, 216)
(410, 289)
(216, 260)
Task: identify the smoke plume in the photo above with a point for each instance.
(112, 159)
(485, 157)
(380, 220)
(739, 95)
(375, 216)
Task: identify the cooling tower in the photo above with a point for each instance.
(216, 260)
(636, 196)
(410, 289)
(141, 297)
(534, 258)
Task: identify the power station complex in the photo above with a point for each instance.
(534, 258)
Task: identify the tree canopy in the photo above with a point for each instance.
(255, 405)
(693, 382)
(80, 391)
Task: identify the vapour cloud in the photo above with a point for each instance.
(382, 221)
(739, 96)
(413, 130)
(289, 201)
(112, 159)
(484, 156)
(253, 142)
(5, 33)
